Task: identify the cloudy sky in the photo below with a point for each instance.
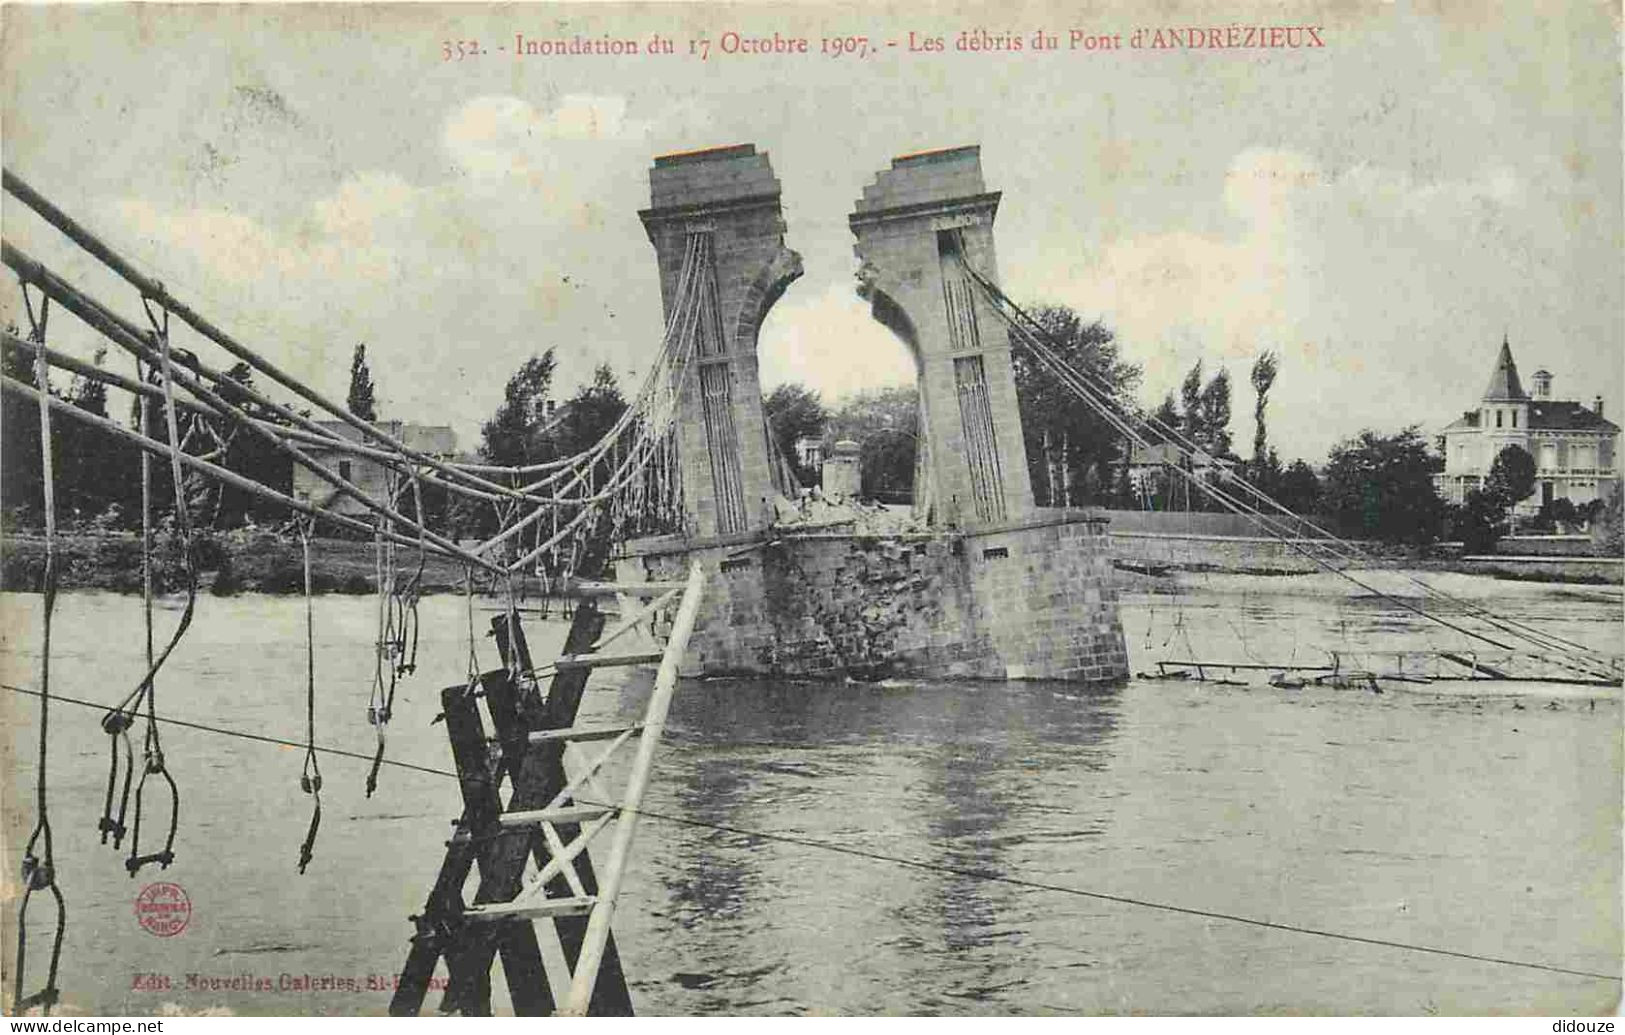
(1380, 211)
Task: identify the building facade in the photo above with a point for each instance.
(1150, 479)
(1574, 446)
(367, 475)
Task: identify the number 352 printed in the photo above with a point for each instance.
(457, 50)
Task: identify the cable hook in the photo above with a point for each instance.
(116, 724)
(154, 766)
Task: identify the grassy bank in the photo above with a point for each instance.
(236, 562)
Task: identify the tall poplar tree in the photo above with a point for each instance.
(361, 400)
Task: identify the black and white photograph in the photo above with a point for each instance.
(704, 509)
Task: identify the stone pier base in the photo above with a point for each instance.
(1028, 600)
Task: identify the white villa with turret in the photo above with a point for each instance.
(1574, 446)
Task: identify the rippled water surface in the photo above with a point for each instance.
(1483, 820)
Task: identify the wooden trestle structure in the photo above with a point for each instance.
(548, 816)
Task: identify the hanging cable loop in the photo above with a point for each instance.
(310, 776)
(153, 759)
(116, 724)
(39, 870)
(153, 766)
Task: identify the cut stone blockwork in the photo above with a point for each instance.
(729, 195)
(1033, 600)
(917, 226)
(992, 588)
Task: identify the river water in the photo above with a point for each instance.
(1473, 820)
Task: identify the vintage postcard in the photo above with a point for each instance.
(691, 509)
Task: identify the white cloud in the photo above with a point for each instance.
(361, 202)
(1343, 273)
(829, 342)
(507, 136)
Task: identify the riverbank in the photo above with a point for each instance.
(230, 563)
(260, 562)
(1155, 554)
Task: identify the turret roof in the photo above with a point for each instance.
(1504, 383)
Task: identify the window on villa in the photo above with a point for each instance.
(1497, 418)
(344, 469)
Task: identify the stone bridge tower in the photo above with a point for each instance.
(997, 589)
(913, 225)
(730, 195)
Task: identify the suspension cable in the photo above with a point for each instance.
(1031, 335)
(310, 776)
(153, 763)
(39, 871)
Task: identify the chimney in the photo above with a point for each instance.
(1599, 406)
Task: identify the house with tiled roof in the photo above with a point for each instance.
(366, 474)
(1575, 447)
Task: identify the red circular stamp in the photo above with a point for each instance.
(163, 909)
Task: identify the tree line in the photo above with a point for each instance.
(97, 476)
(1375, 485)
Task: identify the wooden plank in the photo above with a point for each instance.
(1476, 666)
(536, 908)
(570, 662)
(588, 588)
(610, 997)
(568, 814)
(528, 987)
(582, 734)
(584, 975)
(541, 777)
(1235, 665)
(469, 988)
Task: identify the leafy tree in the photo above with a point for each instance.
(20, 482)
(1267, 474)
(1166, 415)
(1589, 511)
(1558, 514)
(515, 433)
(1512, 476)
(793, 412)
(589, 414)
(1071, 449)
(1481, 520)
(1211, 429)
(1190, 400)
(1201, 416)
(1383, 486)
(1265, 368)
(1299, 488)
(94, 473)
(1608, 525)
(250, 455)
(1484, 517)
(885, 425)
(361, 401)
(98, 475)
